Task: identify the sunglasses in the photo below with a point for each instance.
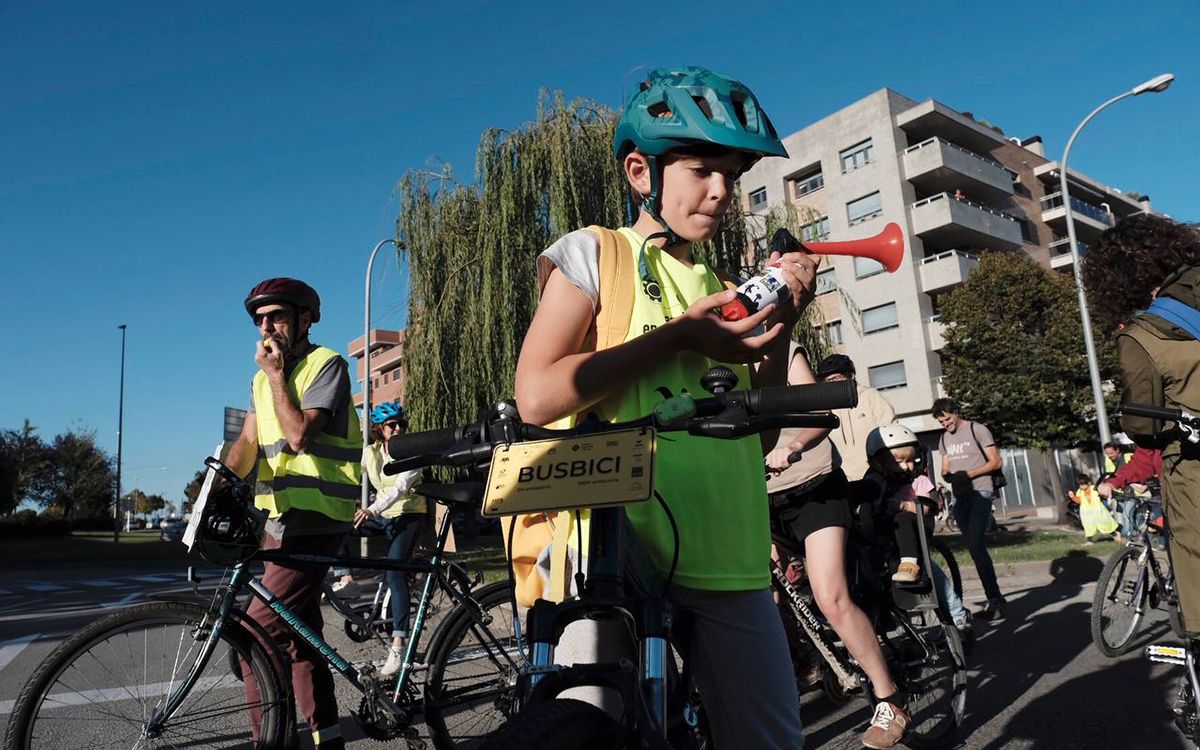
(275, 316)
(391, 426)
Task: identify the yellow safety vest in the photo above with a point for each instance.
(326, 476)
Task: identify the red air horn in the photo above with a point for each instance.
(887, 248)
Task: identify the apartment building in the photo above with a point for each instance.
(387, 365)
(956, 186)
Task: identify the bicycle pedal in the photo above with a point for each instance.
(1176, 655)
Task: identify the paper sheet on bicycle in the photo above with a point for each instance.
(189, 534)
(591, 471)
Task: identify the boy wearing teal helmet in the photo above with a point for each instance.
(683, 139)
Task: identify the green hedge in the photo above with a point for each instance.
(27, 523)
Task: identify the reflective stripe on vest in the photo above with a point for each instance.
(326, 476)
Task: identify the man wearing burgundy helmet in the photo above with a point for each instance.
(302, 438)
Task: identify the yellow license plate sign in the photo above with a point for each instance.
(590, 471)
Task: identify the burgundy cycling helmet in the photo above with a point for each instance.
(292, 291)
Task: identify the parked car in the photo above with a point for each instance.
(173, 532)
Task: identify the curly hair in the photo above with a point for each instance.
(1131, 260)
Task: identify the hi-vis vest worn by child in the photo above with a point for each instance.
(722, 515)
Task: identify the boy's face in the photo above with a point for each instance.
(696, 192)
(906, 458)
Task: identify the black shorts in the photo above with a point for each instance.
(798, 512)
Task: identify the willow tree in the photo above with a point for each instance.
(472, 250)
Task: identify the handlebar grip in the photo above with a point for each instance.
(422, 443)
(802, 398)
(1151, 412)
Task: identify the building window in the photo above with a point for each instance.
(826, 281)
(858, 155)
(864, 267)
(880, 318)
(891, 375)
(815, 231)
(864, 209)
(758, 199)
(809, 182)
(833, 332)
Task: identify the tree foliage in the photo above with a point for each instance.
(23, 457)
(140, 503)
(78, 479)
(472, 249)
(1014, 354)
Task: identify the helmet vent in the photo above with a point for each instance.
(704, 106)
(659, 109)
(739, 110)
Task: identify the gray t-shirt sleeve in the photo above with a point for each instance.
(577, 255)
(330, 390)
(984, 435)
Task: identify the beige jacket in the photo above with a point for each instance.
(850, 438)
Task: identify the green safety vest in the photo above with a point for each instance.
(326, 476)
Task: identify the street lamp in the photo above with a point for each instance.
(366, 421)
(120, 429)
(1152, 86)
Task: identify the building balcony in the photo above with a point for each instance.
(935, 331)
(1060, 253)
(948, 222)
(946, 270)
(936, 165)
(1090, 220)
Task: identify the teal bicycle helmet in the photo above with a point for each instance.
(386, 411)
(686, 107)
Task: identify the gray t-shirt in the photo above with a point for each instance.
(963, 450)
(329, 390)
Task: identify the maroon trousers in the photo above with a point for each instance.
(298, 587)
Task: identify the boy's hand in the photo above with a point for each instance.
(701, 331)
(799, 270)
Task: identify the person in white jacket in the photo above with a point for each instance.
(873, 410)
(400, 512)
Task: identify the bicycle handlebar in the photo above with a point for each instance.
(1161, 413)
(726, 415)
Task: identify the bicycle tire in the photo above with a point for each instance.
(68, 701)
(470, 688)
(556, 724)
(937, 688)
(1113, 597)
(950, 566)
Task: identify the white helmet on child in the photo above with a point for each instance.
(890, 436)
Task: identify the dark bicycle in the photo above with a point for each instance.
(1133, 581)
(917, 636)
(205, 675)
(660, 706)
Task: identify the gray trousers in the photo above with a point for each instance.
(738, 656)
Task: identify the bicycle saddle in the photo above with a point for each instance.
(458, 493)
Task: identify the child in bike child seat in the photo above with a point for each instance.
(683, 139)
(895, 479)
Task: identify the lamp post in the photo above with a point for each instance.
(1152, 86)
(120, 429)
(366, 421)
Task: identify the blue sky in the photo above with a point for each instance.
(157, 159)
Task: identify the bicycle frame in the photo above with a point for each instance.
(242, 578)
(816, 631)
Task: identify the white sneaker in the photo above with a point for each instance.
(346, 589)
(395, 660)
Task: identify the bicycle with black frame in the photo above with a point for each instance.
(922, 647)
(1186, 707)
(659, 707)
(201, 673)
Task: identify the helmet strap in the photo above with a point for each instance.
(651, 201)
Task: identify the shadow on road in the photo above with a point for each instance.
(1038, 638)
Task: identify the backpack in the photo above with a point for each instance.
(1177, 313)
(533, 533)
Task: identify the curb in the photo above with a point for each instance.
(1061, 570)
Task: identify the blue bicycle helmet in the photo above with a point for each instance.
(690, 106)
(388, 411)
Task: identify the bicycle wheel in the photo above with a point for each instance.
(945, 559)
(470, 689)
(930, 666)
(1120, 601)
(556, 724)
(101, 686)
